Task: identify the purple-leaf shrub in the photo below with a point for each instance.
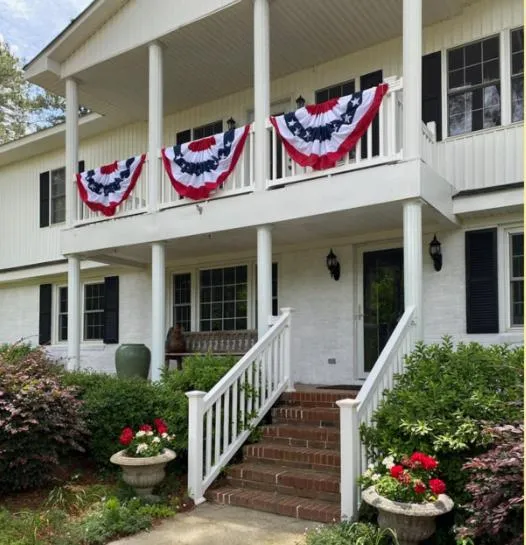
(496, 484)
(40, 420)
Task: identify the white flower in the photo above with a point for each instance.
(375, 476)
(140, 434)
(156, 440)
(141, 448)
(164, 435)
(370, 466)
(149, 433)
(388, 462)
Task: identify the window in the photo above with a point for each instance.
(275, 310)
(63, 314)
(335, 91)
(93, 312)
(516, 264)
(517, 74)
(223, 299)
(182, 302)
(474, 86)
(208, 130)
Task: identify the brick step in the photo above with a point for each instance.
(271, 502)
(302, 436)
(298, 457)
(317, 398)
(305, 483)
(306, 416)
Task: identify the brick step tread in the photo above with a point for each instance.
(300, 457)
(271, 502)
(301, 416)
(322, 481)
(319, 398)
(303, 436)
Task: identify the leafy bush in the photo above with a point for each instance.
(496, 483)
(40, 420)
(345, 533)
(16, 351)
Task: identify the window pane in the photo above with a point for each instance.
(517, 255)
(517, 40)
(517, 63)
(63, 314)
(517, 302)
(456, 79)
(58, 185)
(517, 99)
(459, 120)
(93, 311)
(491, 106)
(490, 48)
(58, 209)
(473, 75)
(455, 58)
(208, 130)
(182, 312)
(491, 70)
(322, 96)
(335, 91)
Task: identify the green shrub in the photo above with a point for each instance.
(40, 420)
(16, 351)
(345, 533)
(443, 402)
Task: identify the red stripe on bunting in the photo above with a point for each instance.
(329, 160)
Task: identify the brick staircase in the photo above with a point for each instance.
(294, 470)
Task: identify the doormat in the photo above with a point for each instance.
(338, 387)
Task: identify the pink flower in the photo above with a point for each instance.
(145, 427)
(423, 460)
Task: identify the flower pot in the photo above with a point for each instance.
(412, 522)
(143, 473)
(132, 360)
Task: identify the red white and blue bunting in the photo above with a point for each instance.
(319, 135)
(197, 168)
(104, 188)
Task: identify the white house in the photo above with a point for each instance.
(444, 157)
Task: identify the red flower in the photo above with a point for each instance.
(437, 486)
(405, 478)
(145, 427)
(420, 487)
(126, 436)
(425, 461)
(396, 471)
(160, 425)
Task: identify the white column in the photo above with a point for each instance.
(155, 123)
(72, 149)
(261, 91)
(413, 266)
(412, 72)
(74, 312)
(158, 309)
(264, 278)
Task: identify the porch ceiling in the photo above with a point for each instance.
(212, 57)
(364, 224)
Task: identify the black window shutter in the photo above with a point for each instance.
(111, 310)
(44, 314)
(44, 199)
(432, 91)
(81, 166)
(482, 301)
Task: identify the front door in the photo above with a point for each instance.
(383, 301)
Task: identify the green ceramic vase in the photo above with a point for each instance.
(132, 360)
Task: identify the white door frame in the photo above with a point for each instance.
(361, 249)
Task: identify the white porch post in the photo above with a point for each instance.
(158, 309)
(413, 266)
(195, 445)
(74, 311)
(261, 91)
(155, 123)
(72, 149)
(412, 72)
(264, 278)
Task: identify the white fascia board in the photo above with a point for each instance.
(491, 201)
(346, 191)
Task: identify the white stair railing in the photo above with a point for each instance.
(220, 421)
(355, 412)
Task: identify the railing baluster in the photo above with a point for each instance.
(217, 438)
(381, 117)
(263, 379)
(274, 144)
(235, 394)
(370, 142)
(226, 419)
(208, 464)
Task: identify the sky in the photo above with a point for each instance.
(29, 25)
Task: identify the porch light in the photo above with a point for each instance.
(333, 265)
(435, 251)
(300, 102)
(231, 123)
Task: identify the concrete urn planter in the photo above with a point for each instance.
(412, 522)
(143, 473)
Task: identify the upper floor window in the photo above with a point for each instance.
(516, 251)
(182, 137)
(335, 91)
(517, 74)
(474, 86)
(52, 197)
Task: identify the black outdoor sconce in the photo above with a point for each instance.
(333, 265)
(300, 102)
(231, 123)
(435, 251)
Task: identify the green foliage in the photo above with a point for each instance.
(345, 533)
(14, 352)
(40, 420)
(443, 402)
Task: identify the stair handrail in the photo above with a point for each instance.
(358, 411)
(252, 385)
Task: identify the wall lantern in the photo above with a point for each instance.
(333, 265)
(300, 102)
(231, 123)
(435, 251)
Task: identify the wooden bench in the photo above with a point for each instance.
(224, 343)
